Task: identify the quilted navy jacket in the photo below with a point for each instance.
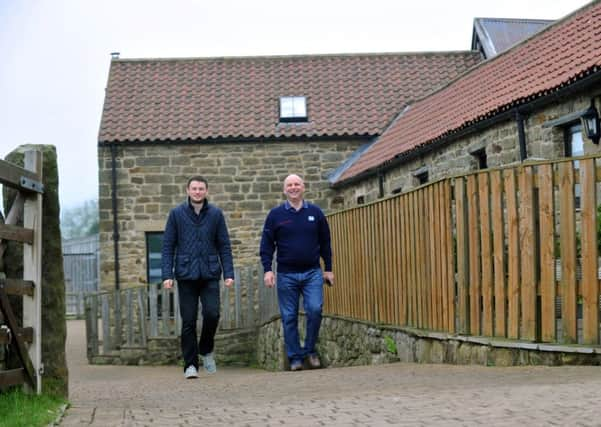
(196, 246)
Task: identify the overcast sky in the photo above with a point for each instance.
(55, 54)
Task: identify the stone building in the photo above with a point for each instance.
(244, 123)
(357, 127)
(524, 104)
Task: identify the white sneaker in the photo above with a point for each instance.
(208, 361)
(191, 372)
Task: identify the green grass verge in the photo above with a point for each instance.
(20, 409)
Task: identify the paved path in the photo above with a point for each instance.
(394, 394)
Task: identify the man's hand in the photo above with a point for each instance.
(269, 279)
(168, 283)
(228, 282)
(328, 278)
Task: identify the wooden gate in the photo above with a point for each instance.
(80, 263)
(25, 340)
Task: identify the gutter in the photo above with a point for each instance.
(113, 148)
(519, 118)
(236, 140)
(509, 113)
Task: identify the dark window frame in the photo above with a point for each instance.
(481, 158)
(149, 235)
(568, 132)
(422, 177)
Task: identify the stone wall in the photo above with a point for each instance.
(245, 180)
(232, 348)
(500, 143)
(347, 342)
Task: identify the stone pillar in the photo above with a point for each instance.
(54, 327)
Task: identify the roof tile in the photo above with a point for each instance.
(219, 98)
(559, 55)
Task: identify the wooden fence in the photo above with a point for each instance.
(477, 254)
(129, 317)
(23, 336)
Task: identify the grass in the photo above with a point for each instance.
(20, 409)
(390, 344)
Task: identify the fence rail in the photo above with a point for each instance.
(509, 253)
(129, 317)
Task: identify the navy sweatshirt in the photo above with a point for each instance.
(300, 238)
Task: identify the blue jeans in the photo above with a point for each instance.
(290, 287)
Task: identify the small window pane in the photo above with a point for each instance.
(577, 144)
(286, 107)
(300, 108)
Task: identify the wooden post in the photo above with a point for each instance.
(590, 282)
(32, 267)
(142, 299)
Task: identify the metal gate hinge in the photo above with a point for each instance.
(31, 184)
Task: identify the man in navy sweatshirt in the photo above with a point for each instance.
(300, 234)
(196, 247)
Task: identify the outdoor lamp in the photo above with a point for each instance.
(590, 123)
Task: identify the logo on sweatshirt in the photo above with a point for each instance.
(311, 218)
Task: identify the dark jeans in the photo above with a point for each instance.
(189, 293)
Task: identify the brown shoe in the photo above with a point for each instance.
(296, 366)
(314, 362)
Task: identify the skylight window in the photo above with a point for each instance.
(293, 109)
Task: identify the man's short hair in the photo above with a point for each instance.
(199, 179)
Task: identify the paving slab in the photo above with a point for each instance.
(398, 394)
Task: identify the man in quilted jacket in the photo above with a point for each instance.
(196, 250)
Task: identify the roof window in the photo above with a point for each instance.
(293, 109)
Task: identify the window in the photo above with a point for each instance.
(381, 184)
(397, 190)
(480, 156)
(421, 175)
(422, 178)
(360, 200)
(154, 243)
(574, 146)
(293, 109)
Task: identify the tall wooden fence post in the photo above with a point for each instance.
(32, 267)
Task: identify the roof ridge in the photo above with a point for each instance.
(297, 56)
(542, 21)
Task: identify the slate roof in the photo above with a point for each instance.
(238, 97)
(496, 35)
(559, 56)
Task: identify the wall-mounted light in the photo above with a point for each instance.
(590, 123)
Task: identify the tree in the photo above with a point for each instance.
(80, 221)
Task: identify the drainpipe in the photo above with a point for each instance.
(114, 208)
(519, 118)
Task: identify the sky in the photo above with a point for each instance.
(55, 54)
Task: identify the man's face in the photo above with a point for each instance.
(197, 191)
(294, 188)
